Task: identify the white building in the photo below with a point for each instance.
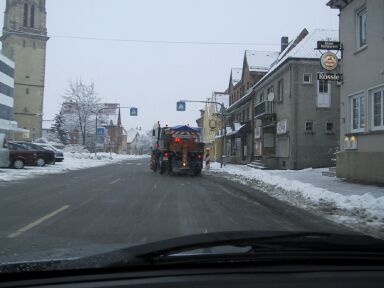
(7, 84)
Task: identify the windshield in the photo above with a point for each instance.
(177, 118)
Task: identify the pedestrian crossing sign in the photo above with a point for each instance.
(133, 111)
(180, 106)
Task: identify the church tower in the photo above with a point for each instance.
(24, 40)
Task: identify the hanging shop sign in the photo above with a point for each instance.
(329, 61)
(328, 45)
(330, 76)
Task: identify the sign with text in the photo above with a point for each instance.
(330, 76)
(328, 45)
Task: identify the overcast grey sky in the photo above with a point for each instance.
(154, 76)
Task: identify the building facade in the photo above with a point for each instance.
(362, 91)
(7, 68)
(240, 112)
(212, 123)
(24, 41)
(296, 116)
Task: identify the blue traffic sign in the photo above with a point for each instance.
(100, 131)
(180, 106)
(133, 111)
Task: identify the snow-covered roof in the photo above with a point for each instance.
(237, 127)
(305, 49)
(236, 75)
(260, 61)
(131, 135)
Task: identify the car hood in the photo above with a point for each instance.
(256, 245)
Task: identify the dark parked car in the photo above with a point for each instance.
(43, 156)
(59, 155)
(19, 156)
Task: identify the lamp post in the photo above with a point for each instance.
(223, 125)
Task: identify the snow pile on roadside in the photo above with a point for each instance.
(75, 148)
(356, 205)
(72, 161)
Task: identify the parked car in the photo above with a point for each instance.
(59, 155)
(17, 157)
(43, 156)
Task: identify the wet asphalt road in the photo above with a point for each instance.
(88, 211)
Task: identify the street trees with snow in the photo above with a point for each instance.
(58, 129)
(86, 103)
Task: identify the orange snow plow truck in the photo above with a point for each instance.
(177, 150)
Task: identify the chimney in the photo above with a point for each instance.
(284, 43)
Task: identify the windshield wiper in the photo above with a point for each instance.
(225, 245)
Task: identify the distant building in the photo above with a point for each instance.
(212, 123)
(24, 41)
(109, 118)
(362, 91)
(132, 141)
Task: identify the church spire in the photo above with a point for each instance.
(119, 119)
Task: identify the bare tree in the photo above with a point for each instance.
(85, 103)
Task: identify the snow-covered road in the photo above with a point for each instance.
(355, 205)
(72, 161)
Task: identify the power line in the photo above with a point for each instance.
(143, 41)
(164, 41)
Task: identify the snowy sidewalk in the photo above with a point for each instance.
(72, 161)
(358, 206)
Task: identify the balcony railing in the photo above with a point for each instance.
(264, 109)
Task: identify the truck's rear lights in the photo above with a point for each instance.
(166, 154)
(177, 139)
(199, 156)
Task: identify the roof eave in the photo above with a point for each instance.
(338, 4)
